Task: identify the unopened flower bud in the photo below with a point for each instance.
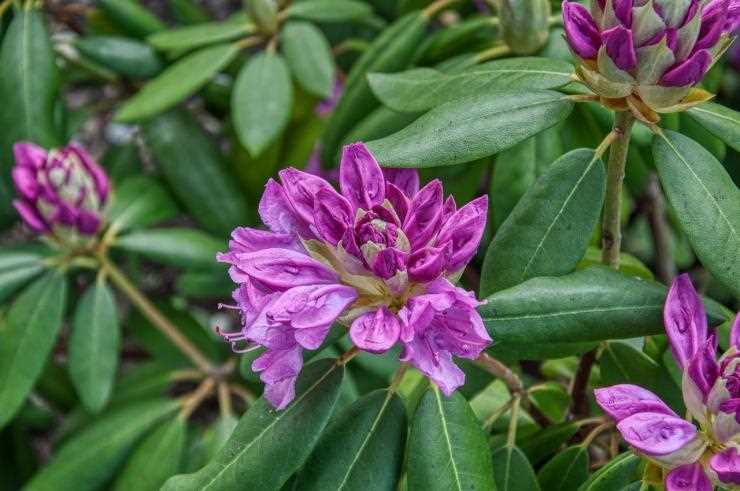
(524, 24)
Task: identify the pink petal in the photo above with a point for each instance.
(30, 216)
(332, 215)
(24, 178)
(581, 30)
(620, 47)
(102, 185)
(425, 213)
(726, 465)
(702, 368)
(29, 154)
(376, 331)
(360, 177)
(713, 18)
(690, 477)
(301, 189)
(685, 320)
(735, 332)
(277, 213)
(279, 371)
(427, 264)
(463, 231)
(311, 306)
(656, 433)
(407, 180)
(689, 71)
(398, 200)
(623, 400)
(283, 269)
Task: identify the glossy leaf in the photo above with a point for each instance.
(131, 16)
(617, 474)
(184, 247)
(178, 82)
(540, 445)
(89, 459)
(447, 447)
(471, 128)
(420, 89)
(628, 264)
(309, 57)
(156, 458)
(198, 35)
(94, 345)
(706, 201)
(195, 170)
(268, 446)
(17, 267)
(122, 55)
(566, 471)
(721, 121)
(140, 202)
(29, 331)
(329, 10)
(362, 449)
(512, 471)
(261, 101)
(549, 229)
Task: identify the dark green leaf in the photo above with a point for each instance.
(261, 101)
(447, 447)
(329, 10)
(18, 267)
(566, 471)
(621, 363)
(722, 122)
(551, 399)
(29, 331)
(309, 57)
(29, 81)
(615, 475)
(198, 35)
(549, 229)
(90, 458)
(196, 172)
(124, 56)
(471, 128)
(424, 88)
(140, 202)
(537, 351)
(184, 247)
(628, 264)
(538, 446)
(268, 446)
(132, 17)
(93, 346)
(158, 457)
(177, 82)
(512, 471)
(706, 201)
(362, 449)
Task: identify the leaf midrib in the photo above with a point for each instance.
(505, 318)
(446, 433)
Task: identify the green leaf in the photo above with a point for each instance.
(29, 81)
(140, 202)
(566, 471)
(309, 57)
(184, 247)
(512, 471)
(18, 267)
(447, 447)
(628, 264)
(93, 346)
(540, 445)
(362, 449)
(537, 351)
(551, 399)
(390, 51)
(617, 474)
(124, 56)
(471, 128)
(131, 16)
(329, 10)
(179, 81)
(158, 457)
(621, 363)
(196, 172)
(706, 201)
(593, 304)
(722, 122)
(198, 35)
(89, 459)
(268, 446)
(29, 331)
(261, 101)
(548, 231)
(420, 89)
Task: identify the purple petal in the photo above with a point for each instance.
(434, 362)
(735, 332)
(24, 178)
(463, 231)
(690, 477)
(428, 263)
(277, 213)
(360, 177)
(375, 332)
(713, 19)
(623, 11)
(398, 199)
(283, 269)
(703, 369)
(689, 71)
(88, 222)
(102, 185)
(311, 306)
(29, 154)
(656, 433)
(726, 465)
(685, 320)
(581, 30)
(388, 262)
(407, 180)
(30, 216)
(279, 371)
(301, 189)
(620, 47)
(425, 213)
(623, 400)
(332, 215)
(246, 239)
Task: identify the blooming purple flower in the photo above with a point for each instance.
(61, 192)
(380, 258)
(711, 390)
(648, 54)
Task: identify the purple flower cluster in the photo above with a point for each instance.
(381, 258)
(711, 389)
(651, 51)
(62, 192)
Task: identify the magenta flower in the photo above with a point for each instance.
(650, 53)
(62, 192)
(711, 389)
(380, 258)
